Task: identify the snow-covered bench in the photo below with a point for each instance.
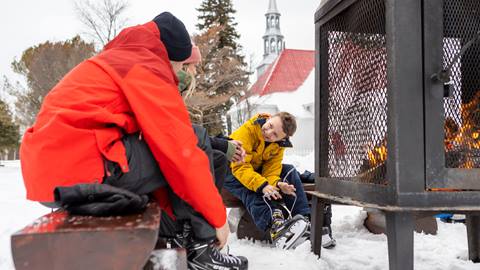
(61, 241)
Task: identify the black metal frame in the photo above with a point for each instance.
(414, 128)
(437, 175)
(415, 134)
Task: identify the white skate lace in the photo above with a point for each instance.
(228, 258)
(289, 211)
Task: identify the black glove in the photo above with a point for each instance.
(99, 200)
(307, 177)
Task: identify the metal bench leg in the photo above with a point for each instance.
(473, 236)
(318, 206)
(400, 240)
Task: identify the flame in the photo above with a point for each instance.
(467, 137)
(377, 155)
(463, 139)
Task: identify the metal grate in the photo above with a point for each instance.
(353, 85)
(461, 22)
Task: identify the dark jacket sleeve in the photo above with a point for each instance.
(219, 143)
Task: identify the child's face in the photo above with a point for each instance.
(272, 130)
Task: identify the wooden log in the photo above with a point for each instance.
(59, 241)
(376, 223)
(248, 229)
(229, 200)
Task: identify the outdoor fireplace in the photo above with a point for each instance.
(398, 112)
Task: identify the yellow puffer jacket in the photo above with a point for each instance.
(262, 165)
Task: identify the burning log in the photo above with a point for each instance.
(462, 145)
(374, 167)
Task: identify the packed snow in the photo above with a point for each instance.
(356, 247)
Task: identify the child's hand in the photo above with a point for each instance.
(286, 188)
(271, 192)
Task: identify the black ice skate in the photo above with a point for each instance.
(206, 256)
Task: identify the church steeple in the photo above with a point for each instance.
(273, 42)
(272, 7)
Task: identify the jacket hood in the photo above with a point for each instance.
(145, 36)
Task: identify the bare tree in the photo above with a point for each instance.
(103, 19)
(43, 66)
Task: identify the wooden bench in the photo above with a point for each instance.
(60, 241)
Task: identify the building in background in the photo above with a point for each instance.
(273, 43)
(285, 82)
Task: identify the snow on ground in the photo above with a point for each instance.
(356, 247)
(15, 210)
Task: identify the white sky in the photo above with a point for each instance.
(24, 23)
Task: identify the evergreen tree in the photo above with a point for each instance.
(9, 132)
(223, 74)
(219, 13)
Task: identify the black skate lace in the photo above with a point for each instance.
(225, 257)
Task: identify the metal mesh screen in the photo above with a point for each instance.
(461, 21)
(353, 85)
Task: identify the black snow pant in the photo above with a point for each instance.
(145, 176)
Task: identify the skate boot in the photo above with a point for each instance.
(327, 239)
(286, 234)
(206, 256)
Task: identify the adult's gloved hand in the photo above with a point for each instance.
(99, 200)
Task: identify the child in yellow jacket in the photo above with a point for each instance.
(267, 187)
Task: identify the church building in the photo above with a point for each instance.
(285, 82)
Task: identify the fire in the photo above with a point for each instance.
(374, 167)
(377, 155)
(465, 140)
(462, 144)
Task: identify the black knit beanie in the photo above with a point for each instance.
(174, 36)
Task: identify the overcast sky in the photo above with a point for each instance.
(24, 23)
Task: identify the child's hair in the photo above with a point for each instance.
(289, 124)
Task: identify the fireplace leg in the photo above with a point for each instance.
(318, 206)
(400, 240)
(473, 236)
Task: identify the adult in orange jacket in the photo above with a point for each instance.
(96, 123)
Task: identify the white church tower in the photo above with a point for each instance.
(273, 43)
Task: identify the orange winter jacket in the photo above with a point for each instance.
(128, 87)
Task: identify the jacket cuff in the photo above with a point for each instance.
(230, 150)
(260, 188)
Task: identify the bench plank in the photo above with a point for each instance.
(60, 241)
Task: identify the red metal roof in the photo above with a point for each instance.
(286, 74)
